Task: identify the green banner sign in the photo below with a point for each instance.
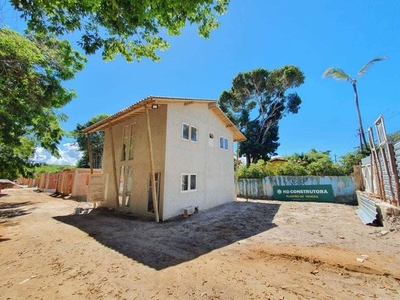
(315, 193)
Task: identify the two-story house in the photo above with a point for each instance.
(177, 150)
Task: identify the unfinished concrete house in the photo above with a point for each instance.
(176, 150)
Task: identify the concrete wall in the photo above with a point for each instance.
(212, 165)
(81, 182)
(343, 186)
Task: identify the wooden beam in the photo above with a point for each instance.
(90, 153)
(385, 162)
(394, 171)
(188, 102)
(212, 105)
(153, 177)
(114, 165)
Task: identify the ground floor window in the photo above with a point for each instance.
(188, 182)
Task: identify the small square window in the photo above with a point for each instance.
(188, 182)
(226, 144)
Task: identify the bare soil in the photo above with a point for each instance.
(241, 250)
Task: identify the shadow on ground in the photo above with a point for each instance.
(165, 244)
(3, 239)
(14, 209)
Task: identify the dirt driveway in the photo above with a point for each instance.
(242, 250)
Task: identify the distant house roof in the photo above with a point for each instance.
(278, 158)
(140, 108)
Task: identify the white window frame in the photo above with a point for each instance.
(225, 143)
(190, 133)
(189, 188)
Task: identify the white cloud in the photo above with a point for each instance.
(69, 153)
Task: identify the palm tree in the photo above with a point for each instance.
(339, 74)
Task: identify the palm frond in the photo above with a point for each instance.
(336, 73)
(369, 64)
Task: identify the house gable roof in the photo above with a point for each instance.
(140, 108)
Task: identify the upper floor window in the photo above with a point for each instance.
(223, 143)
(125, 138)
(189, 133)
(128, 142)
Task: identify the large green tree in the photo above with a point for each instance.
(32, 70)
(96, 141)
(132, 28)
(256, 102)
(339, 74)
(15, 160)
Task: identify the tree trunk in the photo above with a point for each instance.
(248, 160)
(363, 141)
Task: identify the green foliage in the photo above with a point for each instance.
(255, 170)
(14, 160)
(291, 168)
(96, 141)
(45, 168)
(349, 160)
(339, 74)
(32, 68)
(262, 92)
(129, 28)
(312, 163)
(317, 163)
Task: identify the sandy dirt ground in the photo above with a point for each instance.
(241, 250)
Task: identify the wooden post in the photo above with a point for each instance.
(394, 170)
(153, 177)
(379, 173)
(236, 171)
(385, 161)
(372, 172)
(114, 165)
(90, 153)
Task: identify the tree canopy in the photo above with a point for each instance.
(256, 102)
(134, 29)
(311, 163)
(339, 74)
(32, 70)
(96, 140)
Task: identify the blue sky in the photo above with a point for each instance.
(311, 34)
